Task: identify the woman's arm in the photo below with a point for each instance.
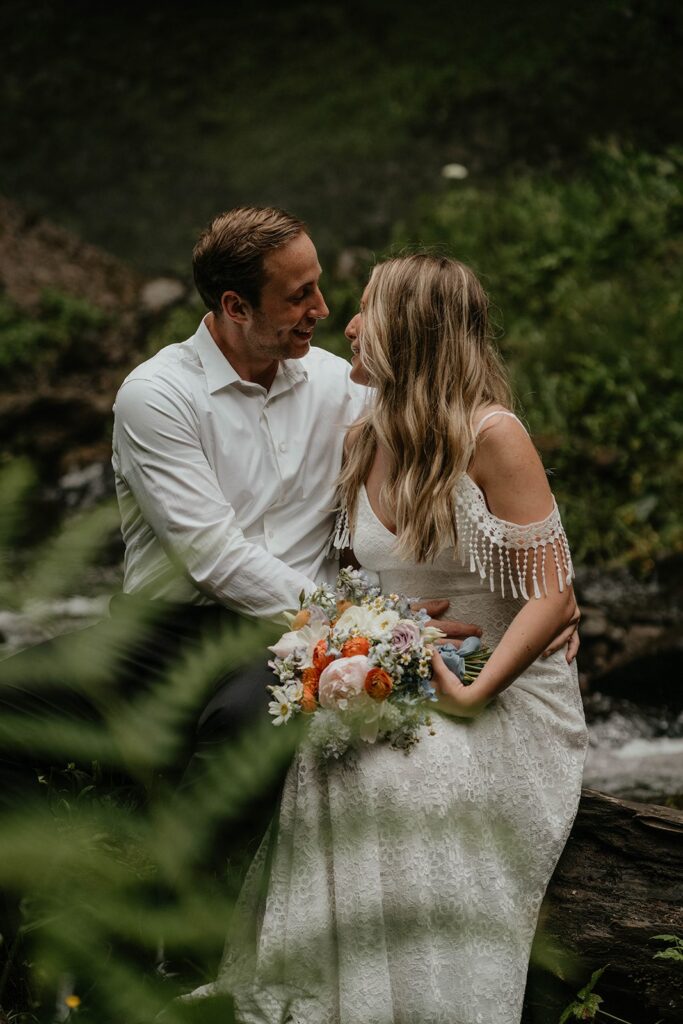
(509, 472)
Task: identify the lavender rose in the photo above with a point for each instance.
(404, 635)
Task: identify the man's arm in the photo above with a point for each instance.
(161, 458)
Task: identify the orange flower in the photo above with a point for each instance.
(321, 659)
(310, 677)
(301, 619)
(378, 684)
(355, 645)
(309, 701)
(73, 1002)
(342, 606)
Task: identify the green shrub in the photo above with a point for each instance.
(585, 276)
(63, 329)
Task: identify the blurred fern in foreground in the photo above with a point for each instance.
(112, 861)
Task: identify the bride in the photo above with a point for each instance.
(402, 888)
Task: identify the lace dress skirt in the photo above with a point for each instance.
(397, 888)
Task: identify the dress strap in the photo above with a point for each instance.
(498, 412)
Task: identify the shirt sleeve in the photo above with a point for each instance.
(160, 456)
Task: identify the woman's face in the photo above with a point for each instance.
(354, 331)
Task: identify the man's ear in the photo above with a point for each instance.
(235, 307)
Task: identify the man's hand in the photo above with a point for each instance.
(453, 629)
(568, 636)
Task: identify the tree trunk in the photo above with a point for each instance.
(618, 883)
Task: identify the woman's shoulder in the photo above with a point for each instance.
(507, 467)
(498, 418)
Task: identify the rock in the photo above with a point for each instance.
(162, 292)
(82, 488)
(56, 405)
(618, 884)
(632, 633)
(594, 622)
(36, 254)
(648, 672)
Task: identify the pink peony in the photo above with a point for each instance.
(342, 681)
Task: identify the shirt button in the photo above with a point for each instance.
(282, 446)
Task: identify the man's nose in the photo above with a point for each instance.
(319, 309)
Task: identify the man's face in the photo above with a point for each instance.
(291, 302)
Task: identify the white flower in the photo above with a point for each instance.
(287, 644)
(294, 691)
(370, 721)
(367, 621)
(281, 710)
(432, 633)
(302, 641)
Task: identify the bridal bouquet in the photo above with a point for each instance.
(359, 663)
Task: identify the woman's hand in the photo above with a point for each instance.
(454, 698)
(569, 638)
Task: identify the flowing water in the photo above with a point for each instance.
(635, 751)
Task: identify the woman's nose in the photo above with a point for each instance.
(351, 331)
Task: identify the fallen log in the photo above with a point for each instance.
(618, 884)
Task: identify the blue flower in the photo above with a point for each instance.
(453, 659)
(469, 646)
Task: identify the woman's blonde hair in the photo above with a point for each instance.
(426, 348)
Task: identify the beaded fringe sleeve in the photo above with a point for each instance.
(341, 538)
(504, 552)
(508, 552)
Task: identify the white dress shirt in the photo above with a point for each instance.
(226, 490)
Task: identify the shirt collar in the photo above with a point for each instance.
(220, 372)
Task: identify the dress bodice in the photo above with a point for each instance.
(487, 578)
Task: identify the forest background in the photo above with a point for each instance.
(133, 125)
(540, 143)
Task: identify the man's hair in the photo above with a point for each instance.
(229, 253)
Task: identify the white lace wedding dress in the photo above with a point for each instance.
(404, 888)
